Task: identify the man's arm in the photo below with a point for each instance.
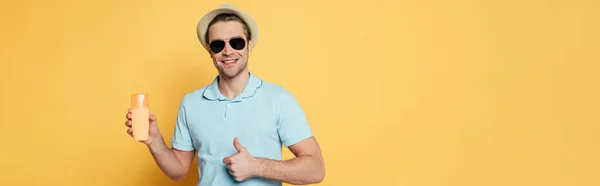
(174, 163)
(307, 167)
(294, 132)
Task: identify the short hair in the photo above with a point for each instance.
(224, 17)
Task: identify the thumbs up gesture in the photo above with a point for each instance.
(241, 165)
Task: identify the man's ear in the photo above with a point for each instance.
(250, 45)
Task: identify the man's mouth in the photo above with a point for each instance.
(229, 61)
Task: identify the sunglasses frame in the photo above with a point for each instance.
(227, 42)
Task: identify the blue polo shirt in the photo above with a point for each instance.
(264, 116)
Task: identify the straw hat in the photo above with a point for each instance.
(202, 27)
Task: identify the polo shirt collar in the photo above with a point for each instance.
(212, 91)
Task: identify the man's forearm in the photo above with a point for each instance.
(300, 170)
(167, 160)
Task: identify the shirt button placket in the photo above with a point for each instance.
(227, 109)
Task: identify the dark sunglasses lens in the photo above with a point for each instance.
(217, 46)
(237, 43)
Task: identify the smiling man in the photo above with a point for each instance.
(237, 124)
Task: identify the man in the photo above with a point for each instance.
(238, 123)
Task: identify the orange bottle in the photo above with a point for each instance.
(140, 116)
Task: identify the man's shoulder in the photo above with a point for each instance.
(277, 93)
(274, 90)
(271, 87)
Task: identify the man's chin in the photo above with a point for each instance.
(229, 73)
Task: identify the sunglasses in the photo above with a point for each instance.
(217, 46)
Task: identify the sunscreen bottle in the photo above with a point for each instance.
(140, 116)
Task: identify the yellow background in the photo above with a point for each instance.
(419, 93)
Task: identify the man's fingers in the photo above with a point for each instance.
(237, 178)
(130, 132)
(230, 167)
(128, 115)
(227, 160)
(152, 117)
(128, 123)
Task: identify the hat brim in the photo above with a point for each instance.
(202, 26)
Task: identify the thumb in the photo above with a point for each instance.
(238, 146)
(152, 120)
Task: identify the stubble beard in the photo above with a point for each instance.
(234, 73)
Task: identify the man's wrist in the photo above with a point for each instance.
(260, 167)
(157, 146)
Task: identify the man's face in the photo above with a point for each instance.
(229, 61)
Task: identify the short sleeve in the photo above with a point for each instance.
(291, 125)
(182, 139)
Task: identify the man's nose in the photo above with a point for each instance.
(228, 50)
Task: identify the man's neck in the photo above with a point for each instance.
(232, 87)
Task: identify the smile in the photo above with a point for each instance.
(229, 61)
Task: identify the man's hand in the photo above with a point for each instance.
(242, 166)
(174, 163)
(153, 133)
